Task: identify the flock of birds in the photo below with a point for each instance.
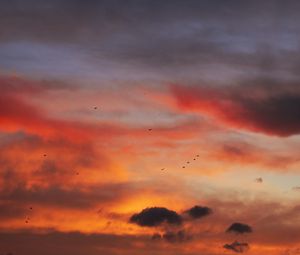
(259, 180)
(236, 246)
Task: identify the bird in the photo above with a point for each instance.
(259, 180)
(183, 167)
(45, 155)
(162, 169)
(194, 159)
(95, 108)
(149, 129)
(197, 155)
(30, 208)
(188, 162)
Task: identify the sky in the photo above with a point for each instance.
(143, 127)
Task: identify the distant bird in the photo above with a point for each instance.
(296, 188)
(162, 169)
(188, 162)
(95, 108)
(259, 180)
(197, 155)
(194, 159)
(183, 167)
(149, 129)
(77, 173)
(30, 208)
(45, 155)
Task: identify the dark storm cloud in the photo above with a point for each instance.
(237, 247)
(239, 228)
(261, 105)
(155, 216)
(183, 33)
(197, 212)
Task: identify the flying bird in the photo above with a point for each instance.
(259, 180)
(296, 188)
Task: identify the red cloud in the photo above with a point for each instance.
(264, 109)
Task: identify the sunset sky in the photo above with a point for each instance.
(149, 127)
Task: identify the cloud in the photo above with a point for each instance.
(172, 236)
(197, 211)
(72, 243)
(155, 216)
(156, 236)
(246, 154)
(257, 108)
(237, 247)
(76, 197)
(175, 237)
(239, 228)
(189, 36)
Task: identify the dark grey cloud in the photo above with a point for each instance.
(239, 228)
(197, 35)
(172, 236)
(197, 211)
(155, 216)
(176, 236)
(260, 105)
(237, 247)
